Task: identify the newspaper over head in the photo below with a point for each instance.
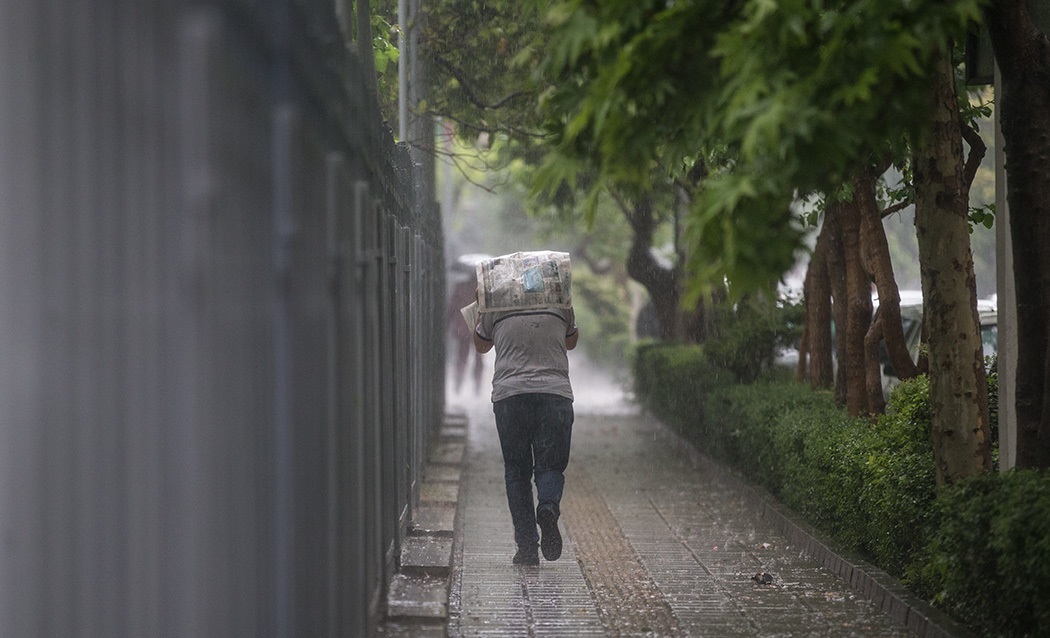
(525, 280)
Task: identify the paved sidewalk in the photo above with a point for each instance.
(655, 545)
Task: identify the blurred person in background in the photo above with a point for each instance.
(462, 284)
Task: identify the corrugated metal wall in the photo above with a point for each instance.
(220, 328)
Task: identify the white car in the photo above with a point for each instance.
(911, 318)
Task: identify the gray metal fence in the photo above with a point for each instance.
(220, 344)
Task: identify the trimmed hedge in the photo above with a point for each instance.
(988, 560)
(674, 381)
(981, 551)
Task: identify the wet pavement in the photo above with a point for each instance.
(657, 543)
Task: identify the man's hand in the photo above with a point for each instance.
(481, 345)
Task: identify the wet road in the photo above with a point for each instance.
(654, 546)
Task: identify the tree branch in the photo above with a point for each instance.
(470, 94)
(896, 208)
(512, 130)
(977, 151)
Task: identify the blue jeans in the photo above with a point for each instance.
(535, 432)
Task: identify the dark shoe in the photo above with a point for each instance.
(550, 537)
(527, 556)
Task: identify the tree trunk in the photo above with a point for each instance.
(662, 283)
(881, 268)
(872, 371)
(836, 261)
(858, 319)
(958, 390)
(815, 356)
(1023, 54)
(875, 253)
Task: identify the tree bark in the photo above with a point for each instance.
(663, 284)
(886, 324)
(1023, 55)
(872, 372)
(836, 264)
(851, 356)
(880, 266)
(958, 389)
(815, 355)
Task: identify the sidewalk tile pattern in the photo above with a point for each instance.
(627, 599)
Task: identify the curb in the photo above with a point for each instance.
(417, 601)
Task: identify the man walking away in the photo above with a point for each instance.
(532, 402)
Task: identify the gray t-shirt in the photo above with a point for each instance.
(530, 350)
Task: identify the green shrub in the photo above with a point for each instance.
(829, 474)
(988, 560)
(760, 428)
(673, 381)
(991, 364)
(900, 485)
(750, 334)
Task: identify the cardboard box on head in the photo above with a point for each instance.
(525, 280)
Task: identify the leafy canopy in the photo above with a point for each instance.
(481, 54)
(793, 93)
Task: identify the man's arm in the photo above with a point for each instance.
(570, 340)
(574, 334)
(480, 344)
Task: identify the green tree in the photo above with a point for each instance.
(802, 93)
(481, 55)
(485, 87)
(958, 385)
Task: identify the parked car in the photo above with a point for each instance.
(911, 318)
